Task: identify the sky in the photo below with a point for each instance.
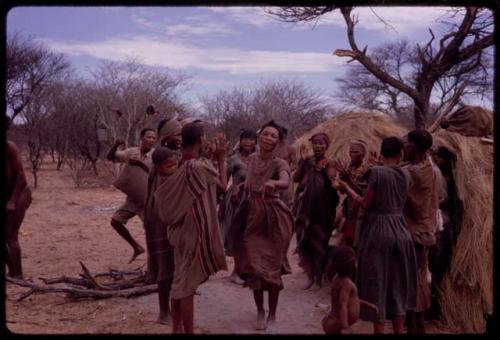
(218, 47)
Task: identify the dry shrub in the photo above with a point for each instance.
(467, 289)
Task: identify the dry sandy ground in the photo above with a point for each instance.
(65, 225)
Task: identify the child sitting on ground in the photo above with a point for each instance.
(345, 302)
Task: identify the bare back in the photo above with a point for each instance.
(344, 286)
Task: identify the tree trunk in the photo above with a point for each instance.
(419, 117)
(34, 170)
(94, 167)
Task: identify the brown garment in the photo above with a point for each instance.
(422, 204)
(267, 228)
(133, 179)
(186, 203)
(420, 213)
(314, 206)
(161, 252)
(287, 152)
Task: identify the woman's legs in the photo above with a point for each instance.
(187, 313)
(258, 295)
(164, 299)
(176, 316)
(274, 294)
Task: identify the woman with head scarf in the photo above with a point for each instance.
(267, 224)
(236, 170)
(314, 208)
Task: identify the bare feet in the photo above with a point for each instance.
(271, 321)
(137, 251)
(234, 278)
(261, 321)
(165, 319)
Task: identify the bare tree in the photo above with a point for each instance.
(289, 102)
(460, 50)
(359, 88)
(123, 91)
(30, 66)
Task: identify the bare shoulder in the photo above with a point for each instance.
(12, 148)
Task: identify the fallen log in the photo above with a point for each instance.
(77, 293)
(66, 279)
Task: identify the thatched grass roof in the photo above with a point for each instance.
(356, 125)
(469, 121)
(467, 290)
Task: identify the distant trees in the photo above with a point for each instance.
(30, 67)
(448, 63)
(289, 102)
(73, 120)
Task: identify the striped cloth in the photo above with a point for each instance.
(186, 203)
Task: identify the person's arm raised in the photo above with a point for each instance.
(111, 153)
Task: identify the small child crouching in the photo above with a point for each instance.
(344, 294)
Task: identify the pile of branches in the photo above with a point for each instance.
(114, 283)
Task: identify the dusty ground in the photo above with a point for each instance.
(65, 225)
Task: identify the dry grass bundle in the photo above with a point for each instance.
(469, 121)
(343, 129)
(467, 289)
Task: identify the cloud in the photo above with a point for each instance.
(246, 15)
(156, 52)
(198, 28)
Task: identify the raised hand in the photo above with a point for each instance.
(219, 145)
(303, 151)
(268, 187)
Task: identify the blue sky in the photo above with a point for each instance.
(219, 47)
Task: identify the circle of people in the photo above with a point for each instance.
(198, 206)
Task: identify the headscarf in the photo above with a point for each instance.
(187, 120)
(323, 136)
(171, 128)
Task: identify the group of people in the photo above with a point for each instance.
(198, 206)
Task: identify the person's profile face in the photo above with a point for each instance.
(408, 150)
(168, 166)
(269, 138)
